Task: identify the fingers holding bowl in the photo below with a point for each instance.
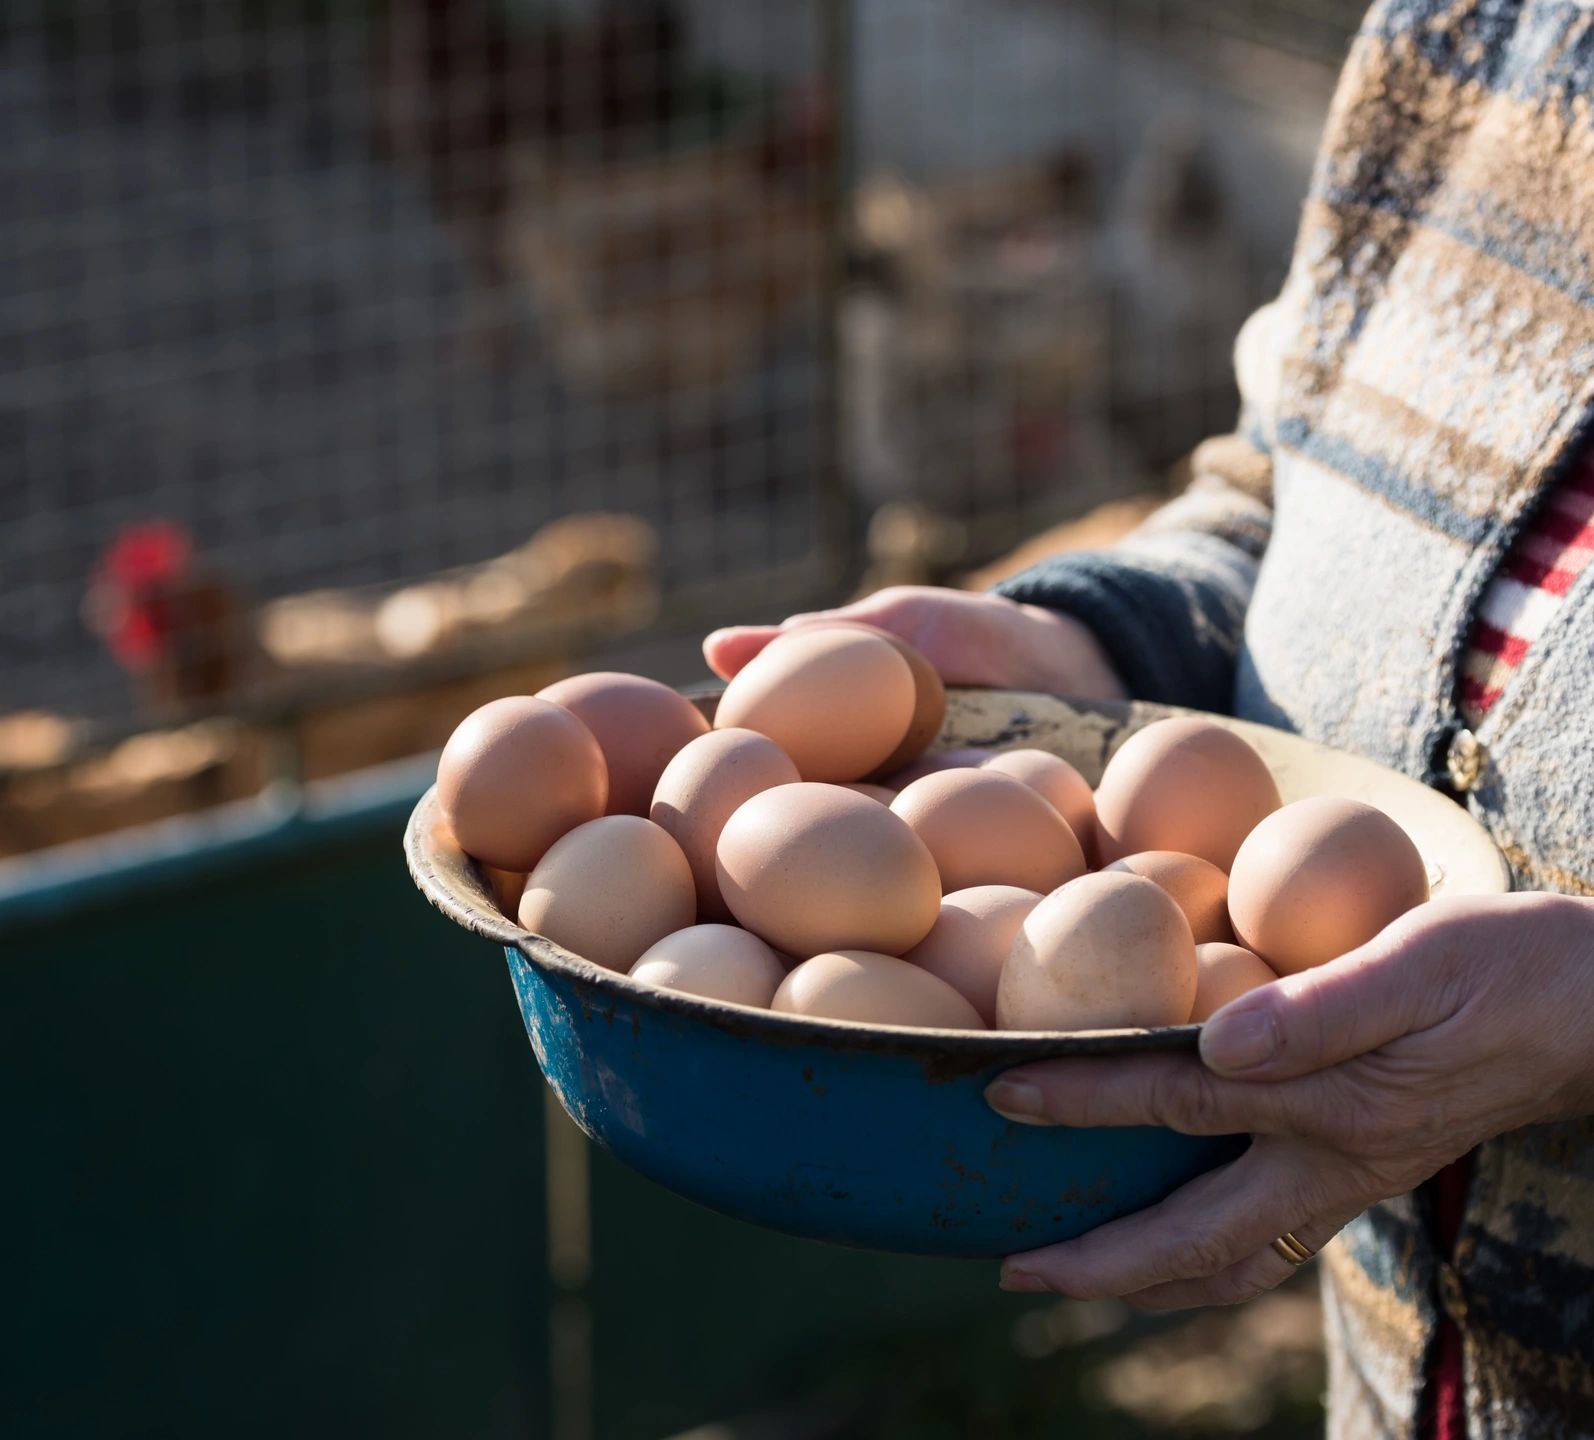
(1219, 1221)
(1265, 1270)
(1171, 1090)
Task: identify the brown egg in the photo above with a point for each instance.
(1198, 888)
(515, 776)
(929, 703)
(989, 829)
(814, 867)
(639, 724)
(835, 698)
(972, 934)
(702, 787)
(505, 887)
(1105, 952)
(1056, 781)
(874, 792)
(718, 962)
(1320, 877)
(610, 889)
(873, 989)
(966, 758)
(1224, 973)
(1184, 784)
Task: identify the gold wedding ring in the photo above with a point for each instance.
(1293, 1250)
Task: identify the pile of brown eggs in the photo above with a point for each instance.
(801, 856)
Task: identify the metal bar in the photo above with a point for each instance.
(710, 600)
(570, 1369)
(837, 518)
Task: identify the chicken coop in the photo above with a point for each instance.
(366, 359)
(362, 360)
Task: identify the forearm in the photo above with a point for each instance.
(1064, 653)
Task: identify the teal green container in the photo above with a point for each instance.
(274, 1155)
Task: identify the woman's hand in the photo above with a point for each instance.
(970, 638)
(1359, 1080)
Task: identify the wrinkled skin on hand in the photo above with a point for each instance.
(1358, 1080)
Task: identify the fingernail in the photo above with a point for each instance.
(1016, 1100)
(1242, 1040)
(1020, 1281)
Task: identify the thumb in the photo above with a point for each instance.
(728, 650)
(1329, 1014)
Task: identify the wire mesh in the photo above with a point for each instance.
(356, 297)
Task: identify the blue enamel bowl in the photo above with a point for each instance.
(875, 1136)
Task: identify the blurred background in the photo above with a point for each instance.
(362, 360)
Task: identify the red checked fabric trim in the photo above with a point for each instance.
(1523, 598)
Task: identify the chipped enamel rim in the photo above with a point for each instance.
(1452, 843)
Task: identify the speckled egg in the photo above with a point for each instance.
(1105, 952)
(973, 932)
(1197, 886)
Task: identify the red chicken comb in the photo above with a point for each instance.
(146, 553)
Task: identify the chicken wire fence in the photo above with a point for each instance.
(344, 339)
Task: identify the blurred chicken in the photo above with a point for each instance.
(181, 631)
(194, 644)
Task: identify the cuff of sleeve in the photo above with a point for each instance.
(1146, 622)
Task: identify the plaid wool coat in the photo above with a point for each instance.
(1423, 379)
